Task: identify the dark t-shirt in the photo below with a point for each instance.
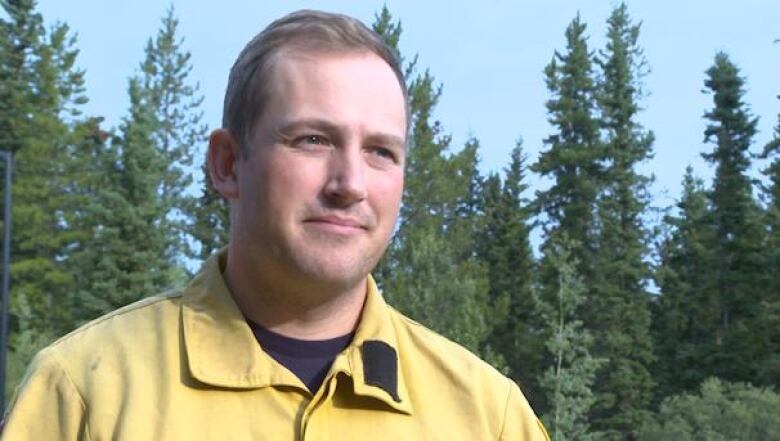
(309, 360)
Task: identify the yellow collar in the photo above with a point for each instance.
(222, 351)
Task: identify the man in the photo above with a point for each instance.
(283, 335)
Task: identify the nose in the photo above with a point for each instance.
(346, 177)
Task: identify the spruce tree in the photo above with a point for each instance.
(138, 219)
(738, 230)
(772, 194)
(42, 92)
(769, 318)
(569, 379)
(574, 154)
(435, 213)
(504, 245)
(573, 160)
(683, 314)
(620, 319)
(91, 260)
(129, 252)
(715, 315)
(430, 270)
(176, 104)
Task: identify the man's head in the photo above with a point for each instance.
(313, 151)
(306, 31)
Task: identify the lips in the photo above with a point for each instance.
(337, 224)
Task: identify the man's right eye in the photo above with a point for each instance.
(313, 140)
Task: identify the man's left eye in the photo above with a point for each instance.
(384, 153)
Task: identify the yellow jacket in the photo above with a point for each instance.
(185, 366)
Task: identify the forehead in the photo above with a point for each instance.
(340, 84)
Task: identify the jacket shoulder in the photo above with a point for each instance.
(461, 380)
(421, 344)
(134, 323)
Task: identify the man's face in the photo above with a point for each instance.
(321, 186)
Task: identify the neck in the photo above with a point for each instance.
(290, 307)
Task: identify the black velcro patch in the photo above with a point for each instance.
(380, 367)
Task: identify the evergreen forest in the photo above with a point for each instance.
(616, 326)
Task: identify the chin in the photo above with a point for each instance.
(340, 275)
(336, 271)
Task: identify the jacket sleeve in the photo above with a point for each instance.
(47, 405)
(520, 422)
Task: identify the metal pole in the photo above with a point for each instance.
(4, 319)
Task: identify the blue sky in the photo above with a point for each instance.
(489, 56)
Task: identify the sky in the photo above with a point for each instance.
(488, 55)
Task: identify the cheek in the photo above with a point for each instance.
(293, 183)
(387, 189)
(262, 190)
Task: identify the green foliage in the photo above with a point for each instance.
(619, 313)
(772, 192)
(136, 218)
(769, 310)
(427, 289)
(573, 160)
(204, 218)
(716, 316)
(176, 106)
(41, 91)
(504, 245)
(389, 30)
(127, 255)
(719, 412)
(209, 218)
(569, 379)
(738, 231)
(430, 271)
(574, 155)
(27, 343)
(683, 316)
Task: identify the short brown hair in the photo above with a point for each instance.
(305, 30)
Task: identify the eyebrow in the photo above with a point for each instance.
(328, 127)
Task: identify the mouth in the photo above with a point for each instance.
(337, 224)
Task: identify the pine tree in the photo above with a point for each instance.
(128, 255)
(430, 271)
(90, 260)
(390, 31)
(573, 159)
(428, 290)
(684, 314)
(738, 230)
(175, 100)
(569, 379)
(41, 92)
(433, 267)
(772, 193)
(504, 245)
(620, 319)
(769, 317)
(137, 220)
(715, 316)
(574, 154)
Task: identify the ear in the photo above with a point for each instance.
(223, 156)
